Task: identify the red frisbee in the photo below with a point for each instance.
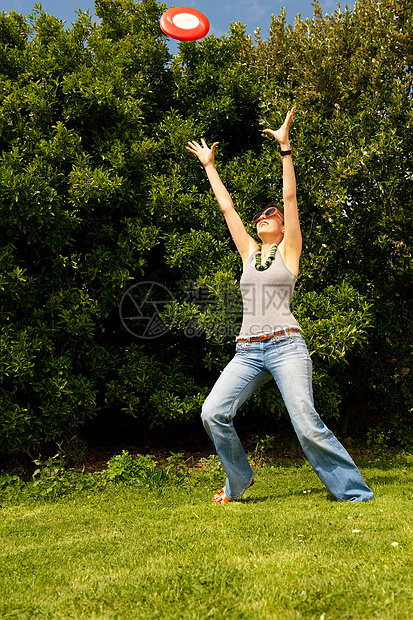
(184, 24)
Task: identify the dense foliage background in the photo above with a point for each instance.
(98, 194)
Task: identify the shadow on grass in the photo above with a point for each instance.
(385, 480)
(278, 496)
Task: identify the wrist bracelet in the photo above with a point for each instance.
(284, 153)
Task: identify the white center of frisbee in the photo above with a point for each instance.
(185, 21)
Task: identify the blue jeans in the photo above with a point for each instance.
(288, 361)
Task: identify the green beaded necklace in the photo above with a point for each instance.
(268, 262)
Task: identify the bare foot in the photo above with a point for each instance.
(220, 496)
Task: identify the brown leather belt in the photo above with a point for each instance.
(282, 332)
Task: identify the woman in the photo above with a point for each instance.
(270, 343)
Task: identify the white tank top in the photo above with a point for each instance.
(266, 298)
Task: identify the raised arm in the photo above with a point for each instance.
(244, 242)
(292, 244)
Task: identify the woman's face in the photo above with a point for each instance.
(271, 225)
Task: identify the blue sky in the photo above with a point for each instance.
(253, 13)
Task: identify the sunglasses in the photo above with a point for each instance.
(267, 213)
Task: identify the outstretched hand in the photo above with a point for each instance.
(282, 134)
(205, 154)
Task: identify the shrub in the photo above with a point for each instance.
(97, 193)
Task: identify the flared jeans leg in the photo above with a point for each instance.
(241, 377)
(290, 364)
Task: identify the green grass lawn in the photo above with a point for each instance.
(285, 551)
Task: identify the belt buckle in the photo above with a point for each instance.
(277, 335)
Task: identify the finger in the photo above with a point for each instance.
(290, 115)
(204, 144)
(194, 144)
(213, 147)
